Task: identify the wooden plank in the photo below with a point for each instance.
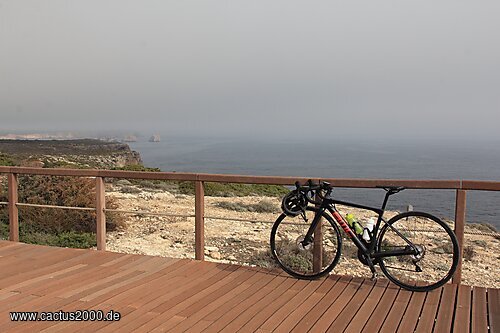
(229, 316)
(158, 294)
(215, 292)
(54, 283)
(479, 322)
(36, 280)
(136, 319)
(7, 243)
(429, 311)
(372, 183)
(202, 289)
(295, 295)
(461, 323)
(362, 316)
(494, 309)
(328, 291)
(352, 307)
(169, 296)
(410, 317)
(446, 309)
(194, 314)
(169, 318)
(391, 322)
(124, 287)
(246, 179)
(32, 305)
(150, 287)
(17, 300)
(335, 309)
(215, 313)
(480, 185)
(249, 313)
(40, 269)
(243, 179)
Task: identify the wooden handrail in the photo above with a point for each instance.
(269, 180)
(461, 186)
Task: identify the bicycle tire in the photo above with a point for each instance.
(293, 258)
(438, 251)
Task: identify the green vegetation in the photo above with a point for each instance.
(235, 190)
(263, 206)
(263, 259)
(71, 239)
(60, 227)
(62, 164)
(137, 167)
(6, 160)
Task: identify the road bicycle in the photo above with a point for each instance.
(415, 250)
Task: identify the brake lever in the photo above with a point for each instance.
(303, 214)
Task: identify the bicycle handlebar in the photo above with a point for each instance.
(315, 189)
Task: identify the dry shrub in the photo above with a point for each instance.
(263, 206)
(62, 191)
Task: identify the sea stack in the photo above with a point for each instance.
(154, 138)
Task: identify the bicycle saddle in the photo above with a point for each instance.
(392, 189)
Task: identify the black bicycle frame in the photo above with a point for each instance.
(329, 204)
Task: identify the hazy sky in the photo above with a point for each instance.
(269, 68)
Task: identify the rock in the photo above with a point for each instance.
(123, 182)
(215, 255)
(212, 248)
(155, 138)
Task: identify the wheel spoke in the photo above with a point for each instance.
(435, 251)
(315, 258)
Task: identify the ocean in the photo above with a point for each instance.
(346, 159)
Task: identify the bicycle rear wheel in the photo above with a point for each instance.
(297, 260)
(436, 256)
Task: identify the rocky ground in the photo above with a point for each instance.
(248, 242)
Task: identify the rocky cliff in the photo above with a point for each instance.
(88, 153)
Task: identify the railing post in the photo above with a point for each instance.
(318, 245)
(461, 198)
(199, 220)
(100, 206)
(13, 210)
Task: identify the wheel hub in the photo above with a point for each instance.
(301, 246)
(420, 253)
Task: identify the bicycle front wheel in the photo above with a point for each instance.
(310, 261)
(435, 248)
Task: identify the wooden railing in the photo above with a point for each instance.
(460, 186)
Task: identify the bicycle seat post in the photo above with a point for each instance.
(390, 190)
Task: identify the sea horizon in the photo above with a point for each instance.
(343, 159)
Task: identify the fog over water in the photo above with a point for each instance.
(423, 69)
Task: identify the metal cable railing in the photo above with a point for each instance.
(218, 218)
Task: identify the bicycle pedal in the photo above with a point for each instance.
(374, 277)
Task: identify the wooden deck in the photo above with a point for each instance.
(160, 294)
